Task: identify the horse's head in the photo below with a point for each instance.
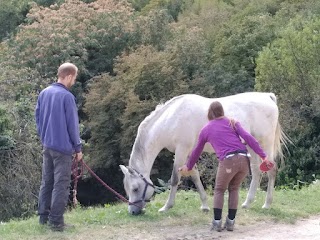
(138, 188)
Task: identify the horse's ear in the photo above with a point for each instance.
(124, 169)
(131, 171)
(127, 170)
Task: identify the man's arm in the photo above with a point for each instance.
(72, 120)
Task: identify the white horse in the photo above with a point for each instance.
(176, 125)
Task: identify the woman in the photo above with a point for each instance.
(224, 136)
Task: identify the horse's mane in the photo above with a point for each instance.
(138, 147)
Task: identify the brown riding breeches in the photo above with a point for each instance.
(231, 173)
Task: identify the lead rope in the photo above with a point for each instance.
(76, 175)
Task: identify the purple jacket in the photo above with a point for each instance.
(224, 139)
(57, 119)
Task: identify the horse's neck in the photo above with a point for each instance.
(148, 142)
(143, 156)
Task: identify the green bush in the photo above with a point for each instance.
(289, 67)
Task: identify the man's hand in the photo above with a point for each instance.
(78, 156)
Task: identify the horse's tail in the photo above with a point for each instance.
(281, 139)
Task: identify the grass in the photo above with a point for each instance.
(112, 221)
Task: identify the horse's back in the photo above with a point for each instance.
(257, 112)
(244, 107)
(183, 118)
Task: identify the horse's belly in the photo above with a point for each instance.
(208, 148)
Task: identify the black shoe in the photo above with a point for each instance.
(43, 220)
(61, 227)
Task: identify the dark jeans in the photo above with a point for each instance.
(231, 172)
(54, 189)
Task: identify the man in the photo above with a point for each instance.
(58, 127)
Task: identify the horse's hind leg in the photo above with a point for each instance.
(271, 181)
(256, 174)
(255, 181)
(203, 196)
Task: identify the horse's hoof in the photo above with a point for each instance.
(163, 209)
(205, 209)
(266, 206)
(245, 206)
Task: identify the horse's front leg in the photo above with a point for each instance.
(175, 179)
(181, 155)
(203, 195)
(180, 159)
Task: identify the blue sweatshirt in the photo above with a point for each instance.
(57, 119)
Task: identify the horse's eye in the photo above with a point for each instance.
(135, 189)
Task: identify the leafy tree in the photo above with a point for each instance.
(12, 13)
(47, 3)
(192, 54)
(191, 50)
(90, 35)
(20, 161)
(155, 29)
(238, 44)
(6, 141)
(138, 4)
(289, 67)
(173, 7)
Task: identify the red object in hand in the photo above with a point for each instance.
(266, 165)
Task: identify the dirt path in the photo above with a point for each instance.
(305, 229)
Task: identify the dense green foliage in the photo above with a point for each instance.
(13, 13)
(289, 67)
(6, 141)
(135, 54)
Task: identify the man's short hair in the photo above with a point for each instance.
(67, 69)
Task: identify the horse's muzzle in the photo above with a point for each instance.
(134, 210)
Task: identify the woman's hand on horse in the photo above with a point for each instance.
(184, 170)
(269, 163)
